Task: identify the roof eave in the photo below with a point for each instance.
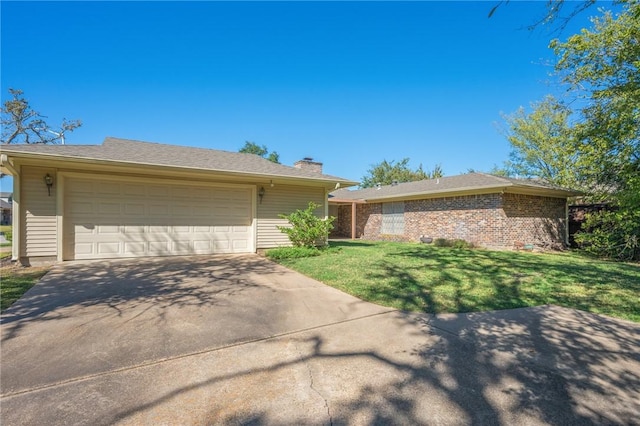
(476, 190)
(441, 193)
(543, 192)
(328, 181)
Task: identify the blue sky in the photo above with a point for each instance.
(347, 83)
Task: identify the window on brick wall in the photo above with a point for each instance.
(393, 218)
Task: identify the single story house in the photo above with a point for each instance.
(127, 198)
(484, 209)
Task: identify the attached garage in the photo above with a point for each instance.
(110, 218)
(133, 199)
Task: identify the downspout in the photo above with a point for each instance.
(15, 207)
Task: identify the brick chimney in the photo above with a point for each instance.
(307, 163)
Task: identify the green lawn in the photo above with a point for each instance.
(423, 278)
(14, 282)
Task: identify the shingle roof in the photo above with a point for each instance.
(469, 182)
(5, 205)
(137, 152)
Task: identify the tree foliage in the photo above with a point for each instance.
(558, 12)
(601, 146)
(613, 234)
(602, 68)
(539, 141)
(21, 124)
(262, 151)
(306, 229)
(387, 172)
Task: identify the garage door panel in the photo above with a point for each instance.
(133, 229)
(158, 191)
(128, 219)
(156, 229)
(180, 210)
(132, 248)
(84, 249)
(137, 190)
(79, 187)
(203, 211)
(134, 209)
(82, 208)
(157, 209)
(222, 245)
(108, 188)
(108, 229)
(161, 247)
(202, 245)
(109, 208)
(240, 244)
(108, 248)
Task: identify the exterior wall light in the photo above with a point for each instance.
(261, 193)
(48, 180)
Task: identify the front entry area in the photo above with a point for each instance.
(110, 217)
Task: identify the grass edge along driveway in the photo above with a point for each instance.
(423, 278)
(15, 281)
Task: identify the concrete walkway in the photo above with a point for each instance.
(240, 340)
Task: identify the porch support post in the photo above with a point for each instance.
(353, 220)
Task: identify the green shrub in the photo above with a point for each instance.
(611, 234)
(307, 229)
(292, 252)
(457, 244)
(8, 234)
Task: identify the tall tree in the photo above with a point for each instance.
(262, 151)
(21, 124)
(601, 67)
(386, 172)
(539, 142)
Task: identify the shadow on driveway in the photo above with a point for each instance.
(92, 317)
(333, 359)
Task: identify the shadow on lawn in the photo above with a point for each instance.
(513, 280)
(542, 366)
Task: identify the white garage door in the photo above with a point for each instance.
(115, 218)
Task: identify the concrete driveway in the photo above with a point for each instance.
(240, 340)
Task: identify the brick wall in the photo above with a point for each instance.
(342, 224)
(369, 221)
(534, 220)
(489, 220)
(474, 218)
